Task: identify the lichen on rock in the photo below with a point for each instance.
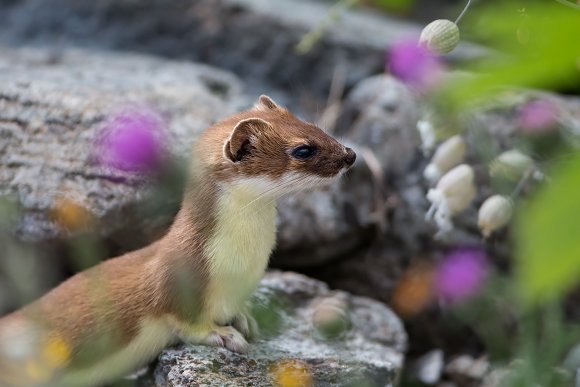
(369, 353)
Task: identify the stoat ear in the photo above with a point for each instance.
(244, 134)
(265, 103)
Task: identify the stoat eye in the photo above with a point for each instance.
(303, 152)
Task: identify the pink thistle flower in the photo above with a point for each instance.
(414, 64)
(461, 275)
(132, 141)
(538, 116)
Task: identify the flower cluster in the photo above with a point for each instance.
(538, 116)
(133, 141)
(457, 278)
(415, 65)
(455, 186)
(461, 275)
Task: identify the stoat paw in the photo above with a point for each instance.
(246, 324)
(227, 337)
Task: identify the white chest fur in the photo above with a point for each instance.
(239, 249)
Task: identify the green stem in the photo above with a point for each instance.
(521, 184)
(568, 4)
(463, 12)
(312, 37)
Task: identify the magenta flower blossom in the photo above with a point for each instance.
(414, 64)
(538, 116)
(132, 141)
(461, 275)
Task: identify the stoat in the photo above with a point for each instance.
(193, 284)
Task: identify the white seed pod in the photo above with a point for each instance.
(427, 134)
(511, 164)
(330, 316)
(457, 187)
(495, 212)
(440, 36)
(449, 154)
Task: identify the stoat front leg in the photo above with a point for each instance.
(227, 337)
(246, 324)
(210, 334)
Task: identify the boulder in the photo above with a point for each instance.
(369, 352)
(52, 106)
(377, 119)
(256, 39)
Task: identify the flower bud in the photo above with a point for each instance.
(449, 154)
(440, 36)
(511, 164)
(331, 317)
(457, 187)
(453, 194)
(494, 213)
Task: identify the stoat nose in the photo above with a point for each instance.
(350, 157)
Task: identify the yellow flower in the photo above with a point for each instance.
(56, 352)
(292, 373)
(414, 292)
(71, 216)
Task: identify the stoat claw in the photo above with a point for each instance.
(227, 337)
(246, 324)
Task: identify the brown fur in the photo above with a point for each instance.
(98, 312)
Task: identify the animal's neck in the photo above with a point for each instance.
(239, 249)
(244, 230)
(212, 212)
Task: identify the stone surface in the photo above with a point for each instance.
(376, 267)
(313, 227)
(231, 34)
(377, 120)
(381, 113)
(51, 110)
(370, 353)
(53, 105)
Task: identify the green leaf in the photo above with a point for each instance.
(534, 46)
(549, 237)
(396, 5)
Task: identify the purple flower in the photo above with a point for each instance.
(132, 141)
(461, 275)
(538, 116)
(414, 64)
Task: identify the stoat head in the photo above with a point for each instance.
(269, 149)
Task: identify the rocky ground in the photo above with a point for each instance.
(368, 349)
(196, 62)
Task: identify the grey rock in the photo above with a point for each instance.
(376, 267)
(233, 34)
(318, 226)
(381, 113)
(53, 106)
(378, 121)
(51, 109)
(370, 353)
